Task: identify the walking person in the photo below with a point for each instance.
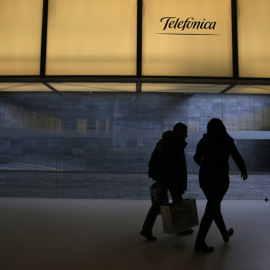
(168, 167)
(212, 155)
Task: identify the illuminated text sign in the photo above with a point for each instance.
(189, 23)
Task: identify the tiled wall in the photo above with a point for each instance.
(116, 132)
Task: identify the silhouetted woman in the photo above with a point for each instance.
(212, 156)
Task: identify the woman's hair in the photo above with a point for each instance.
(215, 125)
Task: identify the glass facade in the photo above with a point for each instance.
(23, 87)
(253, 38)
(187, 38)
(91, 37)
(179, 38)
(94, 87)
(183, 88)
(20, 34)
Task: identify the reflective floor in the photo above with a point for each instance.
(104, 234)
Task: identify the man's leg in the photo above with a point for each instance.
(153, 212)
(176, 193)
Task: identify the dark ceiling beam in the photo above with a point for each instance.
(50, 87)
(235, 40)
(228, 88)
(44, 38)
(139, 37)
(133, 79)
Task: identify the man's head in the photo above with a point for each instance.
(181, 129)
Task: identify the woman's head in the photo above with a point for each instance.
(215, 126)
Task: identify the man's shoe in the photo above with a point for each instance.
(186, 232)
(148, 235)
(228, 234)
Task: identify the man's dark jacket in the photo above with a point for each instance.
(212, 154)
(168, 163)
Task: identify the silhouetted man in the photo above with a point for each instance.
(168, 167)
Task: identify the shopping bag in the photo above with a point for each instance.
(179, 217)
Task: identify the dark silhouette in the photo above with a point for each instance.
(168, 167)
(212, 155)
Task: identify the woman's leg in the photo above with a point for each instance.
(218, 218)
(214, 197)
